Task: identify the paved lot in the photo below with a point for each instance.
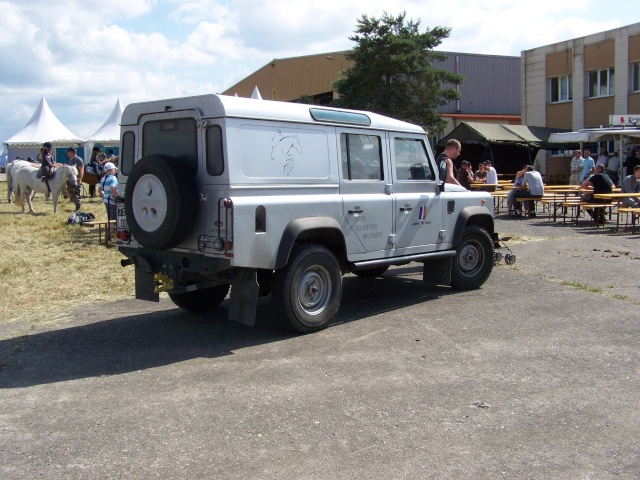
(536, 375)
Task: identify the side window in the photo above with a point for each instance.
(215, 158)
(361, 157)
(412, 162)
(127, 153)
(176, 137)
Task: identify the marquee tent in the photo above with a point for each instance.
(108, 135)
(43, 126)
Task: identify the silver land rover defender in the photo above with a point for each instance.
(259, 197)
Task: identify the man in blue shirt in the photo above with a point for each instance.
(588, 165)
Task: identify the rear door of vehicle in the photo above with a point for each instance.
(366, 202)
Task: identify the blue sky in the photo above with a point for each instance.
(82, 55)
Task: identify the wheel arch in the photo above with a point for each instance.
(472, 215)
(323, 231)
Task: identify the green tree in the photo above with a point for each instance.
(393, 72)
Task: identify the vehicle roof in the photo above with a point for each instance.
(216, 106)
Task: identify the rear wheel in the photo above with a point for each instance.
(200, 300)
(306, 293)
(474, 258)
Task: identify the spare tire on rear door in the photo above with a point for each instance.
(160, 202)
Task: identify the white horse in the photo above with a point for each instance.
(12, 168)
(27, 181)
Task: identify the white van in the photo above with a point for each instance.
(283, 199)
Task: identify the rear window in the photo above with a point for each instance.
(127, 153)
(176, 137)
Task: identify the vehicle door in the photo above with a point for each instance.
(417, 203)
(366, 202)
(175, 134)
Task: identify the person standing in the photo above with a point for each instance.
(76, 161)
(603, 159)
(588, 166)
(576, 168)
(94, 167)
(612, 167)
(108, 190)
(630, 162)
(445, 160)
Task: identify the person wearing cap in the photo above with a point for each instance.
(108, 190)
(76, 161)
(46, 162)
(465, 175)
(492, 174)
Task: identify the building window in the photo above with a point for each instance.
(600, 82)
(635, 77)
(560, 89)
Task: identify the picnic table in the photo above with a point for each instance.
(615, 198)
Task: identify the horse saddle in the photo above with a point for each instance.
(40, 174)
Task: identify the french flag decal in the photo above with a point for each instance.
(422, 212)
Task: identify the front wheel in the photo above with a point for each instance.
(306, 293)
(474, 259)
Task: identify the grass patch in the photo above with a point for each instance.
(49, 267)
(582, 286)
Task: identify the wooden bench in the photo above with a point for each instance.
(535, 201)
(587, 206)
(635, 213)
(100, 224)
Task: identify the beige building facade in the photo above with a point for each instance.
(581, 83)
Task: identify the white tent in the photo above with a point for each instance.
(108, 135)
(43, 126)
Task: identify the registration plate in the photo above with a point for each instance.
(122, 219)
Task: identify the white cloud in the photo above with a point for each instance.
(84, 54)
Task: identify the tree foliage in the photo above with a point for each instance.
(393, 72)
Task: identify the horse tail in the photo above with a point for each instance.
(18, 194)
(9, 181)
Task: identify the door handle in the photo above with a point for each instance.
(405, 209)
(357, 210)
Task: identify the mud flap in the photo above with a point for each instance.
(437, 271)
(145, 286)
(243, 300)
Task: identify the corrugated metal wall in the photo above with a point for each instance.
(491, 85)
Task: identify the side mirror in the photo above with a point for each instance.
(440, 188)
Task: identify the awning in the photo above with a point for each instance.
(594, 135)
(486, 133)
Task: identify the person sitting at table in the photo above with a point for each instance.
(598, 183)
(631, 184)
(533, 181)
(481, 174)
(517, 188)
(465, 175)
(492, 174)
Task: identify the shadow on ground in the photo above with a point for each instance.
(168, 335)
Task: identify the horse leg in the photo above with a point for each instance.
(28, 191)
